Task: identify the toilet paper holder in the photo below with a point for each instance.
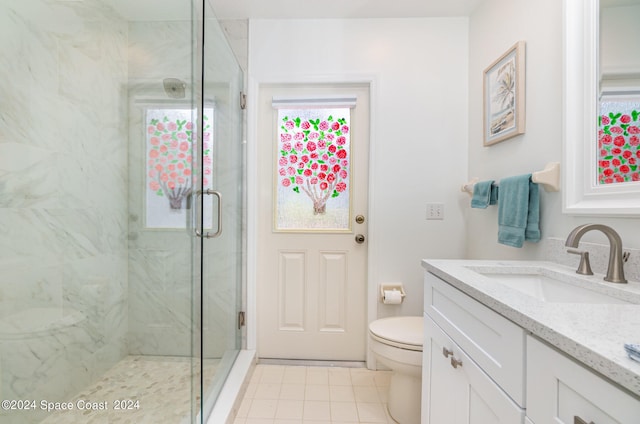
(391, 286)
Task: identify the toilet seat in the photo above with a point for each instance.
(401, 332)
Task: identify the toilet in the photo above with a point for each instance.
(396, 343)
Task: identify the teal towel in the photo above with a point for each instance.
(518, 211)
(482, 192)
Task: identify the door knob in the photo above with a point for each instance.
(359, 238)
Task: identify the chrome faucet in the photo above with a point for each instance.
(615, 270)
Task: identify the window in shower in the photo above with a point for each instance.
(170, 150)
(313, 169)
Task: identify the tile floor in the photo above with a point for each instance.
(283, 394)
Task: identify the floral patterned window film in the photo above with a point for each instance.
(618, 141)
(313, 171)
(170, 151)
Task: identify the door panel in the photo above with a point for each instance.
(333, 284)
(292, 290)
(312, 283)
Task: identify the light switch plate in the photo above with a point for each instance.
(435, 210)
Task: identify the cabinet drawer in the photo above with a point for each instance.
(559, 389)
(464, 393)
(496, 344)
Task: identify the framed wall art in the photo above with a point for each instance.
(504, 96)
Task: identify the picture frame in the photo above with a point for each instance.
(504, 96)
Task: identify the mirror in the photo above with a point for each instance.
(601, 71)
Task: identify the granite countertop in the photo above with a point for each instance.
(593, 334)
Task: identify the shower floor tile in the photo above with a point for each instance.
(293, 394)
(150, 389)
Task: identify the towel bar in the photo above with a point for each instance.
(549, 178)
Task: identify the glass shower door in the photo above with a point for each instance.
(222, 210)
(100, 290)
(113, 116)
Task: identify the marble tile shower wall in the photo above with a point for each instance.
(63, 197)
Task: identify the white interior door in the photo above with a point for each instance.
(312, 256)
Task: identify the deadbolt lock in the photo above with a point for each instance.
(360, 219)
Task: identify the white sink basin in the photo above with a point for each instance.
(549, 289)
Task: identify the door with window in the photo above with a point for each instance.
(312, 230)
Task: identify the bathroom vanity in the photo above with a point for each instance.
(527, 342)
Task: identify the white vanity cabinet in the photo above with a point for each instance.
(473, 364)
(480, 367)
(559, 390)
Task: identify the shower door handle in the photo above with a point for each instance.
(198, 231)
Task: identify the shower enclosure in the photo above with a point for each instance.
(121, 210)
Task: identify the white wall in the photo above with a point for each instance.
(419, 126)
(493, 28)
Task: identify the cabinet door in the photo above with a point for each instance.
(446, 385)
(463, 394)
(495, 343)
(559, 390)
